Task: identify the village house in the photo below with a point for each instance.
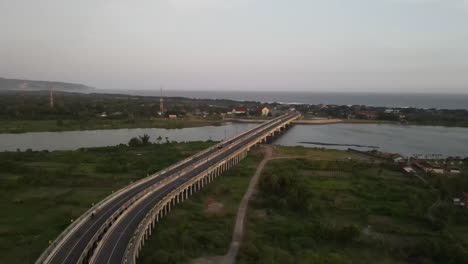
(239, 111)
(265, 111)
(370, 115)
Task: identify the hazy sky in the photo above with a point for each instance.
(316, 45)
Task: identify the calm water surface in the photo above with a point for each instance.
(406, 140)
(70, 140)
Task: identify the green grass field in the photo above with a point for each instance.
(310, 211)
(40, 192)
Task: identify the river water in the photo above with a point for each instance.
(406, 140)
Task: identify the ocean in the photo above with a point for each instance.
(420, 100)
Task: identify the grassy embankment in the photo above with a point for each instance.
(203, 224)
(40, 192)
(324, 211)
(22, 126)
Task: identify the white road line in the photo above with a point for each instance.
(128, 224)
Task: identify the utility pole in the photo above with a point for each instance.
(161, 103)
(51, 98)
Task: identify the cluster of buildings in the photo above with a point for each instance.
(242, 111)
(436, 167)
(449, 166)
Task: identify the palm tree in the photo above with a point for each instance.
(145, 139)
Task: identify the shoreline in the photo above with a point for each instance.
(30, 126)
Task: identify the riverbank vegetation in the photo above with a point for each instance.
(22, 126)
(41, 192)
(348, 211)
(386, 115)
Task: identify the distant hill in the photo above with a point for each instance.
(28, 85)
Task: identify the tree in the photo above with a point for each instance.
(167, 140)
(144, 139)
(134, 142)
(159, 138)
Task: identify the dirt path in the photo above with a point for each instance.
(230, 257)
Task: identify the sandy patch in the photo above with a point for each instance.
(208, 260)
(213, 207)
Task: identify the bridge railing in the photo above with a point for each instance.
(132, 248)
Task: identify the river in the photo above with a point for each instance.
(406, 140)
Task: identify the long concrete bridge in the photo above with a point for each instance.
(114, 230)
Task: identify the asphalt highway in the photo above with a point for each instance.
(113, 249)
(69, 251)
